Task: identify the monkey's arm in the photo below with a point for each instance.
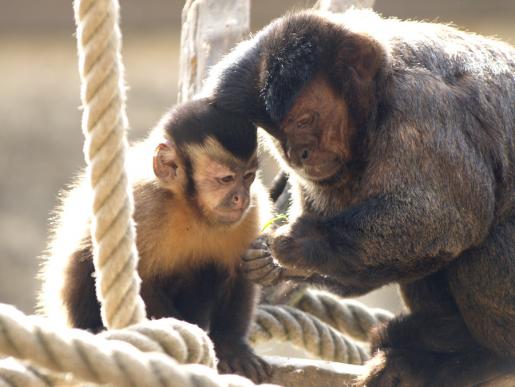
(384, 239)
(261, 267)
(230, 323)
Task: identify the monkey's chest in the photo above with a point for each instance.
(178, 250)
(327, 202)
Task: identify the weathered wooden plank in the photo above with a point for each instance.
(210, 28)
(294, 372)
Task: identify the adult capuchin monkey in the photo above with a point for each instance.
(399, 140)
(197, 209)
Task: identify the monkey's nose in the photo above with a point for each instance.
(239, 201)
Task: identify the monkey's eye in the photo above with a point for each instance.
(305, 120)
(250, 176)
(226, 179)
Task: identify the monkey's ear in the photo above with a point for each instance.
(362, 53)
(165, 162)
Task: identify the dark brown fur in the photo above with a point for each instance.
(421, 119)
(188, 263)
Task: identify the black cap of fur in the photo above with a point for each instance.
(266, 74)
(285, 56)
(194, 121)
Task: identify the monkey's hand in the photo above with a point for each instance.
(299, 245)
(259, 265)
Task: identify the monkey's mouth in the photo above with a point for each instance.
(321, 172)
(229, 216)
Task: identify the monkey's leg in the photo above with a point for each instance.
(433, 345)
(482, 282)
(79, 295)
(158, 301)
(431, 350)
(229, 327)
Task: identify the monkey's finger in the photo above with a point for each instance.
(252, 254)
(248, 369)
(260, 368)
(273, 277)
(258, 268)
(257, 264)
(224, 368)
(262, 241)
(263, 369)
(267, 276)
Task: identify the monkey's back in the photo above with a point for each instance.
(458, 85)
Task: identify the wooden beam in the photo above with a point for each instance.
(210, 28)
(293, 372)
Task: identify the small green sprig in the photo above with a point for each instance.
(274, 220)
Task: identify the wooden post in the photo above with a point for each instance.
(342, 5)
(210, 28)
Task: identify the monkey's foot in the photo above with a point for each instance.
(403, 368)
(391, 369)
(239, 358)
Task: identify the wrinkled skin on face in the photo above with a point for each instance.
(317, 133)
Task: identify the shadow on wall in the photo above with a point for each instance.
(40, 140)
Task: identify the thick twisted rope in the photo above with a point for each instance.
(284, 323)
(16, 374)
(347, 316)
(91, 358)
(186, 343)
(108, 358)
(104, 123)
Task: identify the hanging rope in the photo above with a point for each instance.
(347, 316)
(104, 123)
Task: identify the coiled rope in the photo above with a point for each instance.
(347, 316)
(97, 359)
(284, 323)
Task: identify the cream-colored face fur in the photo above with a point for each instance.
(222, 182)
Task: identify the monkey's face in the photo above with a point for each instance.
(223, 186)
(315, 134)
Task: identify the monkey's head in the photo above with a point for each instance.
(318, 88)
(209, 159)
(311, 83)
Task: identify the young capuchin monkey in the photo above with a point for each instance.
(197, 209)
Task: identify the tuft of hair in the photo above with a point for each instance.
(263, 76)
(195, 121)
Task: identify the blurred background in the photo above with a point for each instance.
(40, 137)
